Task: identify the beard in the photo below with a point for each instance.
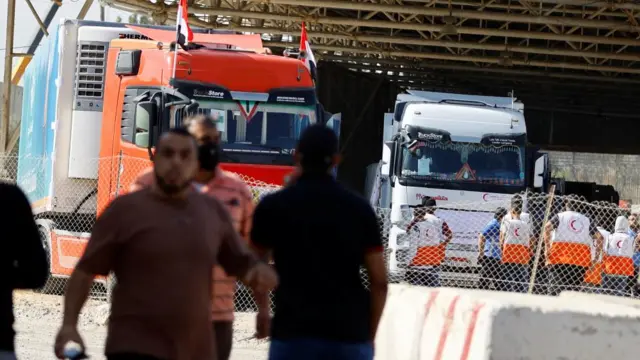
(171, 189)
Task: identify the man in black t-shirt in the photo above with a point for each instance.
(23, 261)
(319, 235)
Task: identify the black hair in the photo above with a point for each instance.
(500, 213)
(179, 131)
(516, 204)
(205, 120)
(316, 148)
(570, 202)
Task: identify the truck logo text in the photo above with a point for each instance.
(209, 93)
(437, 197)
(429, 136)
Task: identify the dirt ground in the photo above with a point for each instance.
(38, 317)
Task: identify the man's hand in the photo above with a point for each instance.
(66, 334)
(261, 278)
(263, 325)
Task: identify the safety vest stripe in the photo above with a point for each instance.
(516, 254)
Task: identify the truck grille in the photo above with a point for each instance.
(91, 63)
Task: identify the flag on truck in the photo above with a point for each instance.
(305, 48)
(183, 32)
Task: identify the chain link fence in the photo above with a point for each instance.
(555, 243)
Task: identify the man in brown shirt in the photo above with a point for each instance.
(161, 244)
(234, 193)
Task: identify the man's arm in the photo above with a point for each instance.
(98, 258)
(376, 269)
(261, 298)
(481, 241)
(448, 234)
(237, 259)
(598, 241)
(549, 227)
(30, 270)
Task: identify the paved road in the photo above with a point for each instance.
(38, 318)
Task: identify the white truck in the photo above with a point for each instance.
(466, 152)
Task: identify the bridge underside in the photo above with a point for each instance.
(574, 63)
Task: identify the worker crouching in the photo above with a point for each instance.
(428, 237)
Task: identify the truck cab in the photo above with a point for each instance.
(262, 104)
(469, 153)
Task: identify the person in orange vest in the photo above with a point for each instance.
(618, 259)
(593, 276)
(515, 243)
(568, 238)
(428, 238)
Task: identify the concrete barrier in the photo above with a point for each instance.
(450, 324)
(619, 300)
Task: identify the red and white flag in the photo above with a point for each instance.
(183, 32)
(309, 59)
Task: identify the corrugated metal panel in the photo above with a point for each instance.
(621, 171)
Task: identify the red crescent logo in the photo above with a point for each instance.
(484, 197)
(575, 225)
(618, 244)
(516, 231)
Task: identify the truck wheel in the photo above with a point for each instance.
(53, 284)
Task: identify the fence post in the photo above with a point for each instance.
(552, 190)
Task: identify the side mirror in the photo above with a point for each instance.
(539, 171)
(146, 120)
(192, 108)
(388, 158)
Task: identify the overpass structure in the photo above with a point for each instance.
(568, 60)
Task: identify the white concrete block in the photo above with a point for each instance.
(451, 324)
(579, 296)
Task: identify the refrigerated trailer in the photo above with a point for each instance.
(97, 96)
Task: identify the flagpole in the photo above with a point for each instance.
(175, 48)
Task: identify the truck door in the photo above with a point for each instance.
(134, 139)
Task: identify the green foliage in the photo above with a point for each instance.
(139, 19)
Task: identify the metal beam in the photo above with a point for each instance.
(8, 65)
(446, 43)
(489, 70)
(477, 59)
(43, 27)
(512, 78)
(20, 68)
(462, 14)
(142, 5)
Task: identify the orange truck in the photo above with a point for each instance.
(97, 96)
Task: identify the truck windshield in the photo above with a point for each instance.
(464, 162)
(253, 127)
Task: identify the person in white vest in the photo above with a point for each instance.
(524, 216)
(618, 259)
(568, 239)
(428, 238)
(515, 242)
